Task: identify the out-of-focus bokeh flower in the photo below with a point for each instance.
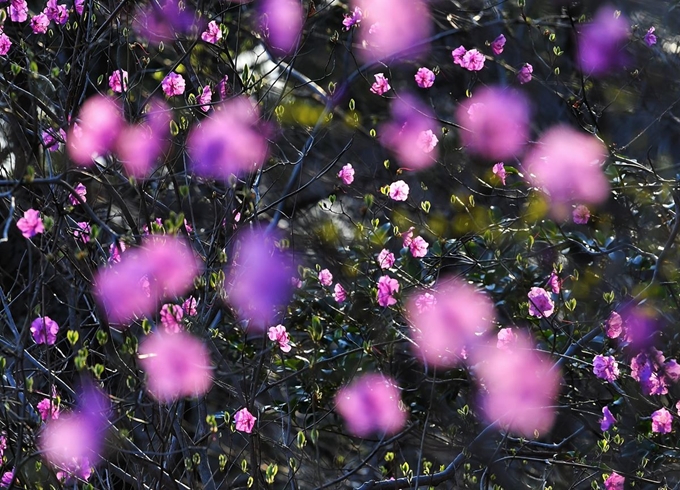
(282, 22)
(163, 21)
(601, 43)
(101, 122)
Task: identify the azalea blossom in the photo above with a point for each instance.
(8, 478)
(81, 191)
(506, 338)
(48, 408)
(49, 139)
(386, 288)
(204, 98)
(385, 259)
(424, 77)
(346, 174)
(18, 10)
(82, 232)
(407, 237)
(614, 325)
(606, 367)
(44, 330)
(524, 74)
(212, 33)
(352, 19)
(427, 141)
(499, 171)
(5, 44)
(540, 303)
(40, 23)
(607, 420)
(281, 23)
(115, 249)
(662, 421)
(244, 420)
(399, 190)
(554, 283)
(653, 372)
(118, 81)
(614, 482)
(381, 84)
(424, 302)
(650, 37)
(418, 247)
(279, 334)
(600, 42)
(171, 318)
(173, 84)
(498, 45)
(101, 122)
(57, 13)
(31, 224)
(339, 293)
(580, 214)
(471, 60)
(325, 277)
(189, 306)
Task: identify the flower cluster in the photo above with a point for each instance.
(471, 60)
(653, 372)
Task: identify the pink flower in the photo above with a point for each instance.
(519, 387)
(57, 13)
(79, 5)
(540, 303)
(661, 421)
(498, 45)
(458, 54)
(40, 23)
(370, 405)
(101, 122)
(31, 224)
(653, 372)
(499, 171)
(205, 98)
(418, 247)
(166, 263)
(49, 139)
(8, 478)
(381, 84)
(524, 74)
(223, 87)
(425, 77)
(212, 33)
(325, 277)
(495, 123)
(216, 153)
(554, 283)
(189, 306)
(5, 44)
(385, 259)
(353, 19)
(82, 231)
(81, 191)
(567, 165)
(614, 482)
(427, 141)
(3, 444)
(650, 38)
(44, 330)
(171, 318)
(471, 60)
(346, 174)
(580, 214)
(244, 420)
(339, 293)
(607, 419)
(18, 10)
(506, 338)
(279, 334)
(173, 84)
(48, 408)
(614, 325)
(115, 250)
(282, 22)
(601, 42)
(606, 367)
(118, 81)
(386, 288)
(163, 21)
(399, 190)
(176, 365)
(453, 318)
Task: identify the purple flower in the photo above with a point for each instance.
(614, 482)
(353, 19)
(282, 22)
(424, 302)
(7, 478)
(44, 330)
(524, 74)
(650, 38)
(189, 306)
(244, 420)
(424, 77)
(653, 372)
(471, 60)
(118, 81)
(506, 338)
(614, 325)
(164, 20)
(418, 247)
(81, 191)
(18, 10)
(325, 277)
(399, 190)
(5, 44)
(458, 54)
(600, 43)
(48, 408)
(173, 84)
(82, 231)
(554, 283)
(499, 171)
(279, 335)
(606, 367)
(607, 419)
(385, 259)
(540, 303)
(339, 293)
(386, 288)
(40, 23)
(205, 98)
(79, 5)
(346, 174)
(171, 318)
(580, 214)
(498, 45)
(31, 224)
(381, 84)
(115, 250)
(212, 33)
(661, 421)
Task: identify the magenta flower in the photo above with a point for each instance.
(471, 60)
(506, 338)
(218, 153)
(498, 45)
(57, 13)
(499, 171)
(166, 263)
(606, 367)
(386, 288)
(31, 224)
(49, 139)
(205, 98)
(381, 84)
(418, 247)
(607, 419)
(115, 250)
(176, 365)
(427, 141)
(8, 478)
(100, 124)
(352, 19)
(18, 10)
(424, 77)
(171, 318)
(44, 330)
(661, 421)
(524, 74)
(82, 232)
(3, 444)
(81, 191)
(614, 325)
(650, 37)
(279, 334)
(5, 44)
(580, 214)
(118, 81)
(339, 293)
(40, 23)
(614, 482)
(346, 174)
(407, 237)
(325, 277)
(189, 306)
(79, 6)
(223, 87)
(519, 387)
(163, 21)
(653, 372)
(554, 283)
(48, 408)
(370, 405)
(173, 84)
(452, 319)
(385, 259)
(601, 42)
(399, 190)
(212, 33)
(244, 420)
(495, 123)
(540, 303)
(282, 22)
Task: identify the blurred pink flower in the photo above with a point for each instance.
(554, 283)
(278, 334)
(398, 28)
(176, 365)
(244, 420)
(567, 165)
(163, 21)
(499, 171)
(282, 22)
(399, 190)
(230, 141)
(370, 405)
(518, 387)
(325, 277)
(601, 43)
(425, 77)
(424, 302)
(386, 288)
(81, 191)
(18, 10)
(101, 122)
(427, 141)
(606, 367)
(82, 232)
(650, 38)
(524, 74)
(495, 123)
(5, 44)
(580, 214)
(614, 325)
(44, 330)
(205, 98)
(381, 84)
(212, 33)
(385, 259)
(31, 224)
(614, 482)
(346, 174)
(167, 264)
(506, 338)
(339, 293)
(352, 19)
(498, 45)
(662, 421)
(173, 84)
(118, 81)
(40, 23)
(171, 318)
(259, 280)
(455, 318)
(418, 247)
(607, 419)
(540, 303)
(471, 60)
